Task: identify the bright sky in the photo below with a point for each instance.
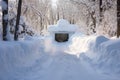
(54, 2)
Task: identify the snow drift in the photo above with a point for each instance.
(34, 59)
(101, 52)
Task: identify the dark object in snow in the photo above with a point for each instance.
(61, 37)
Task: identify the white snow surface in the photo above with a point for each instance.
(81, 58)
(62, 25)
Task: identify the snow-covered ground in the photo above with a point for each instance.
(81, 58)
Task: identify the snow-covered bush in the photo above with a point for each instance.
(24, 28)
(108, 25)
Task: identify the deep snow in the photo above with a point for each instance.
(81, 58)
(64, 26)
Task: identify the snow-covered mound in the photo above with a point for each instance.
(16, 57)
(99, 51)
(62, 25)
(43, 59)
(109, 56)
(106, 54)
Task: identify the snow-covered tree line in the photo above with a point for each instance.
(100, 16)
(108, 25)
(39, 14)
(92, 16)
(13, 24)
(24, 27)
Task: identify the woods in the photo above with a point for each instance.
(92, 16)
(5, 18)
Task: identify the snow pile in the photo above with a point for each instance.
(101, 52)
(15, 57)
(109, 56)
(62, 25)
(106, 54)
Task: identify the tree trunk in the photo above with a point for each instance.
(18, 20)
(5, 18)
(58, 17)
(101, 9)
(118, 18)
(94, 21)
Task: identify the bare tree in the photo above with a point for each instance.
(108, 23)
(18, 20)
(90, 13)
(5, 18)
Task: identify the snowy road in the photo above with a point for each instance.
(67, 67)
(57, 67)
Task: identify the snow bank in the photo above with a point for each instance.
(43, 59)
(102, 53)
(27, 60)
(109, 56)
(15, 57)
(106, 54)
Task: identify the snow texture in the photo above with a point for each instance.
(43, 59)
(62, 25)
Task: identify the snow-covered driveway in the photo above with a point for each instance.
(34, 60)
